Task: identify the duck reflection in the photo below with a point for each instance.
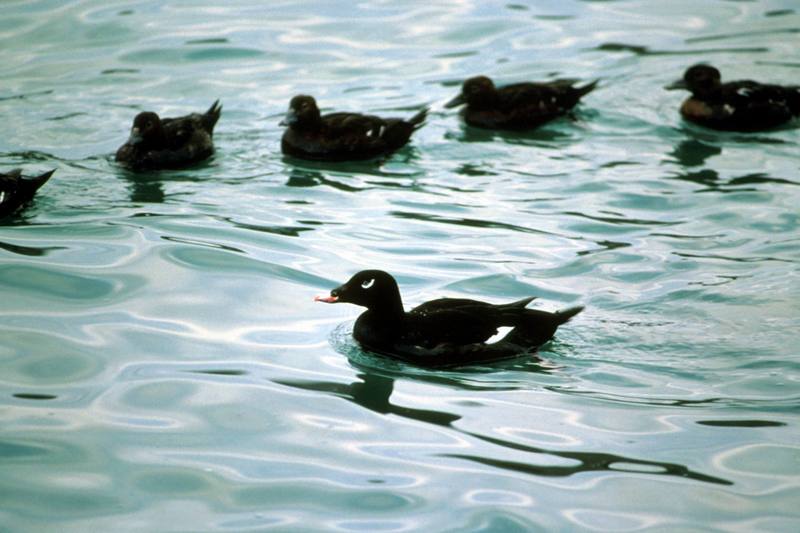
(585, 462)
(144, 187)
(693, 153)
(373, 391)
(543, 137)
(148, 186)
(302, 177)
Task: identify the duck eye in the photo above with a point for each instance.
(368, 284)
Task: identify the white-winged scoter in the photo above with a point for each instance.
(519, 106)
(743, 105)
(445, 332)
(169, 143)
(342, 136)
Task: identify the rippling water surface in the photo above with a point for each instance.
(163, 366)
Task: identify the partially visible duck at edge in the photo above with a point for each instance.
(743, 105)
(342, 136)
(520, 106)
(169, 143)
(16, 190)
(446, 332)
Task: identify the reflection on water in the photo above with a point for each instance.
(694, 153)
(162, 360)
(373, 392)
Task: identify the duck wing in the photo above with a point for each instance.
(354, 124)
(459, 321)
(744, 93)
(523, 94)
(455, 303)
(191, 128)
(367, 135)
(547, 97)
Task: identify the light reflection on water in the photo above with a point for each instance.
(161, 354)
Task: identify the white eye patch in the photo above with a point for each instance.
(368, 284)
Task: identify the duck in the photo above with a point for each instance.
(16, 190)
(519, 106)
(743, 105)
(342, 136)
(169, 143)
(446, 332)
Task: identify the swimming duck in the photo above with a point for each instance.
(520, 106)
(445, 332)
(342, 136)
(157, 143)
(743, 105)
(16, 189)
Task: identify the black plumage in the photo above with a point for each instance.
(169, 143)
(342, 136)
(743, 105)
(520, 106)
(443, 332)
(16, 190)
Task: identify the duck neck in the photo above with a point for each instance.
(391, 307)
(309, 122)
(485, 100)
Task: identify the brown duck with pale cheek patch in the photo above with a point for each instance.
(342, 136)
(162, 143)
(743, 105)
(520, 106)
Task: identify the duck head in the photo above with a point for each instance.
(374, 289)
(476, 92)
(303, 112)
(146, 130)
(700, 80)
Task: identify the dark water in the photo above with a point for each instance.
(163, 366)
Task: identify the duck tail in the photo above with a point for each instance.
(586, 89)
(211, 116)
(34, 183)
(519, 303)
(535, 327)
(794, 100)
(566, 314)
(418, 119)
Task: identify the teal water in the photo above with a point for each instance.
(163, 366)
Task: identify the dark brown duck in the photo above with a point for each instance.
(342, 136)
(743, 105)
(520, 106)
(169, 143)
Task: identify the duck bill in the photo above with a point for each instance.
(675, 85)
(326, 299)
(289, 119)
(135, 137)
(455, 102)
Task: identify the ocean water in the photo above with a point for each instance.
(164, 368)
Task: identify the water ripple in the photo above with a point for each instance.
(161, 354)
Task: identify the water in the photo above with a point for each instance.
(163, 366)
